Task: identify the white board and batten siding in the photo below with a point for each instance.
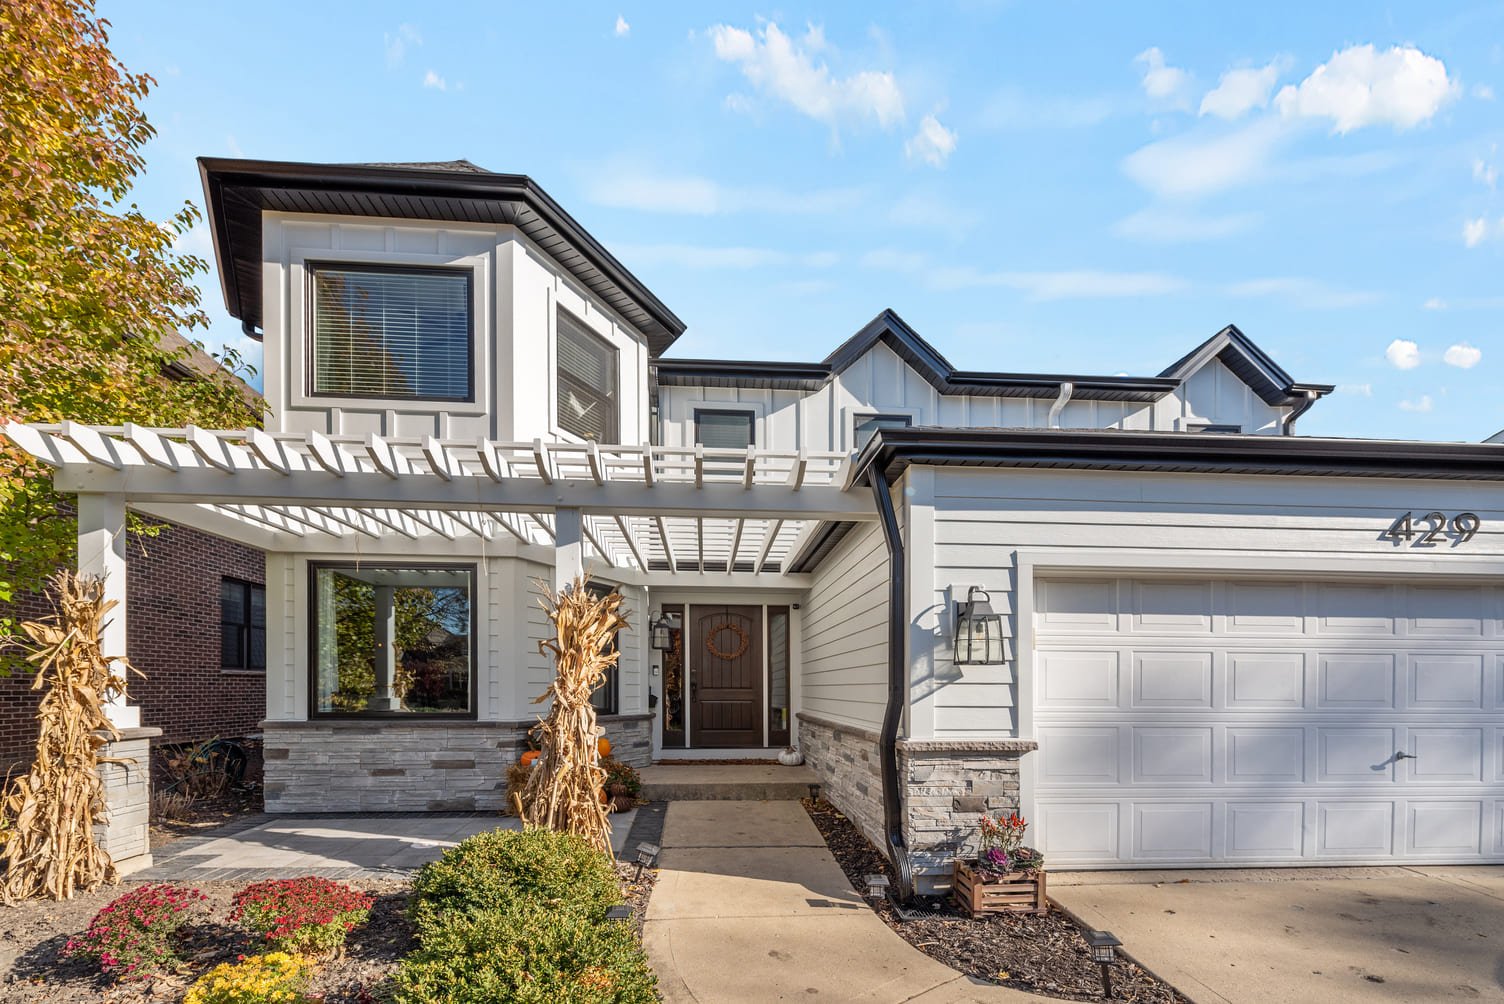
(1219, 670)
(879, 382)
(516, 291)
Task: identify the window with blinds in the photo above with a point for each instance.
(724, 429)
(587, 382)
(391, 332)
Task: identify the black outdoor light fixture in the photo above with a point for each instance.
(814, 792)
(979, 630)
(646, 855)
(877, 886)
(618, 913)
(1104, 952)
(662, 630)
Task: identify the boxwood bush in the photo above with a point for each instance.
(501, 868)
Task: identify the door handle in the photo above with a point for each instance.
(1402, 755)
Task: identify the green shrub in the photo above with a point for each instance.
(528, 954)
(502, 868)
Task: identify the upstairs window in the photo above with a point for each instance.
(864, 427)
(587, 382)
(242, 625)
(389, 332)
(724, 428)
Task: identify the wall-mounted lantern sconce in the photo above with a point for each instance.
(979, 631)
(662, 630)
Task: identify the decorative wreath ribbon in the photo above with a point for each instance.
(742, 641)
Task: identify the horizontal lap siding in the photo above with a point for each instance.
(845, 652)
(982, 518)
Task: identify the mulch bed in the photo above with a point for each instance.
(742, 761)
(208, 813)
(1044, 955)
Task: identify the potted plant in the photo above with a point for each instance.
(1005, 876)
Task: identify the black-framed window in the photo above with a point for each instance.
(391, 332)
(242, 625)
(606, 699)
(864, 427)
(1216, 428)
(392, 640)
(587, 383)
(725, 428)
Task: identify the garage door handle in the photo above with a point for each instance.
(1398, 756)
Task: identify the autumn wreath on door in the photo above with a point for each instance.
(739, 644)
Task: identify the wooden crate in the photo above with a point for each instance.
(1016, 892)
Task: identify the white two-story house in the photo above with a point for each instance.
(1141, 610)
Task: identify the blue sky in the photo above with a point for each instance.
(1047, 188)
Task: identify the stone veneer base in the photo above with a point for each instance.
(948, 786)
(126, 835)
(381, 765)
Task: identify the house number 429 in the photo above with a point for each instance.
(1423, 531)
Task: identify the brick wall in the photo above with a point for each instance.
(172, 636)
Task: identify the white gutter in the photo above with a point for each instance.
(1066, 390)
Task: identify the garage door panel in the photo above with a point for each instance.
(1174, 755)
(1355, 755)
(1262, 830)
(1074, 604)
(1258, 680)
(1499, 827)
(1266, 756)
(1079, 756)
(1355, 829)
(1264, 608)
(1441, 681)
(1172, 680)
(1078, 679)
(1446, 828)
(1161, 607)
(1498, 755)
(1352, 609)
(1446, 611)
(1086, 831)
(1357, 680)
(1446, 754)
(1181, 831)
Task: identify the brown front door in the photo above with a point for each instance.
(725, 677)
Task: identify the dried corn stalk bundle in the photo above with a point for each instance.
(50, 812)
(564, 790)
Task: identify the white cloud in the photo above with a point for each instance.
(1463, 356)
(624, 185)
(1435, 303)
(1403, 354)
(1168, 226)
(933, 143)
(1483, 92)
(1161, 81)
(1303, 292)
(1195, 165)
(1018, 109)
(432, 80)
(1241, 91)
(622, 27)
(1068, 285)
(700, 257)
(1359, 389)
(397, 43)
(1485, 172)
(1419, 406)
(1360, 86)
(1474, 232)
(777, 65)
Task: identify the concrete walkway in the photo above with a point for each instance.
(1306, 934)
(338, 847)
(750, 906)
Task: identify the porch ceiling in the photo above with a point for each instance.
(648, 508)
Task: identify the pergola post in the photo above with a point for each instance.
(569, 548)
(385, 698)
(101, 553)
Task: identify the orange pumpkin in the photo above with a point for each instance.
(604, 746)
(529, 757)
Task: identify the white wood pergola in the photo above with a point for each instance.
(652, 514)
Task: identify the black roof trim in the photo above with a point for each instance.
(1251, 364)
(740, 373)
(819, 545)
(238, 191)
(894, 450)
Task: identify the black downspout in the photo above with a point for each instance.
(898, 687)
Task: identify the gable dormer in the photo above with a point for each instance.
(1229, 383)
(431, 299)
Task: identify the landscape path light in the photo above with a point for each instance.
(646, 855)
(1104, 952)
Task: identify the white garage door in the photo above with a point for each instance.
(1256, 722)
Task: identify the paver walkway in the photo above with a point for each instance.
(338, 847)
(751, 906)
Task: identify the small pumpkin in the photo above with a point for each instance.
(529, 757)
(603, 745)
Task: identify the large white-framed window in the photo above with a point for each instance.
(588, 381)
(395, 332)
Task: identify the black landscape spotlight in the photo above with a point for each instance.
(622, 913)
(646, 855)
(1104, 952)
(814, 792)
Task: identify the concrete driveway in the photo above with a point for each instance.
(1329, 934)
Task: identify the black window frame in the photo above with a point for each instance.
(310, 355)
(611, 684)
(246, 627)
(857, 417)
(613, 395)
(747, 413)
(1214, 428)
(472, 714)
